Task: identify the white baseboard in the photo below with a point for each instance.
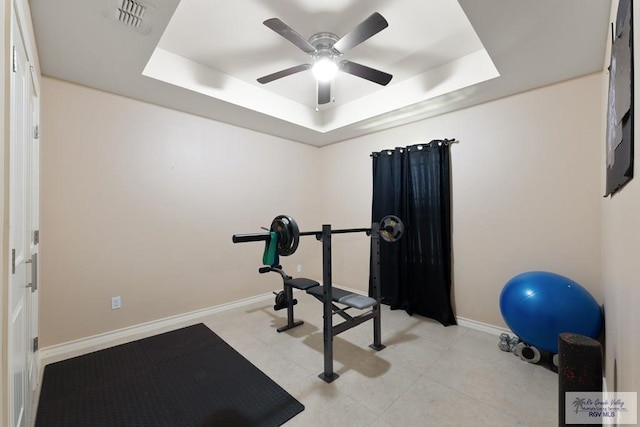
(484, 327)
(81, 346)
(108, 339)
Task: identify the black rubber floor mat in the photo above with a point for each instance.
(187, 377)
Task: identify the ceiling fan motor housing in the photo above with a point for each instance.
(323, 42)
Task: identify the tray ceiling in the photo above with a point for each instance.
(204, 56)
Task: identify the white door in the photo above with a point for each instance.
(33, 236)
(18, 230)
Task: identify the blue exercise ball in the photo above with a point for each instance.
(538, 306)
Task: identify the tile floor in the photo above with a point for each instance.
(428, 375)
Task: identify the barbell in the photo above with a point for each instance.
(288, 234)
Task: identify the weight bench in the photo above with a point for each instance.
(330, 296)
(282, 239)
(338, 295)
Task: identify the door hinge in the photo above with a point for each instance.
(35, 344)
(36, 237)
(36, 132)
(13, 261)
(14, 64)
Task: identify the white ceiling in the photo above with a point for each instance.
(204, 56)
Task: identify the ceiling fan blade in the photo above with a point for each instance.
(324, 92)
(367, 28)
(290, 34)
(365, 72)
(283, 73)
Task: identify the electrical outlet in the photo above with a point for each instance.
(299, 268)
(116, 303)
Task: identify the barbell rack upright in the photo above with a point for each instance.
(328, 375)
(375, 285)
(329, 331)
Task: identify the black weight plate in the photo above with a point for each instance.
(280, 298)
(288, 234)
(391, 228)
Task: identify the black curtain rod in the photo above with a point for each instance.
(440, 141)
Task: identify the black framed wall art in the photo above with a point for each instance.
(619, 156)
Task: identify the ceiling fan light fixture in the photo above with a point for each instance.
(324, 70)
(325, 48)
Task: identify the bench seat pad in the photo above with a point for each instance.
(301, 283)
(358, 301)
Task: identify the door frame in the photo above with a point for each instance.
(16, 15)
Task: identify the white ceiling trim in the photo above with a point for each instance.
(179, 71)
(469, 70)
(466, 71)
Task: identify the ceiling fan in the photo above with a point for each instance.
(325, 49)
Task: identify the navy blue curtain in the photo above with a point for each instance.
(414, 183)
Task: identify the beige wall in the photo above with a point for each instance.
(134, 206)
(620, 273)
(141, 202)
(526, 191)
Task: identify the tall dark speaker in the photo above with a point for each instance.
(579, 369)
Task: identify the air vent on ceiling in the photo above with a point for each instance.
(133, 14)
